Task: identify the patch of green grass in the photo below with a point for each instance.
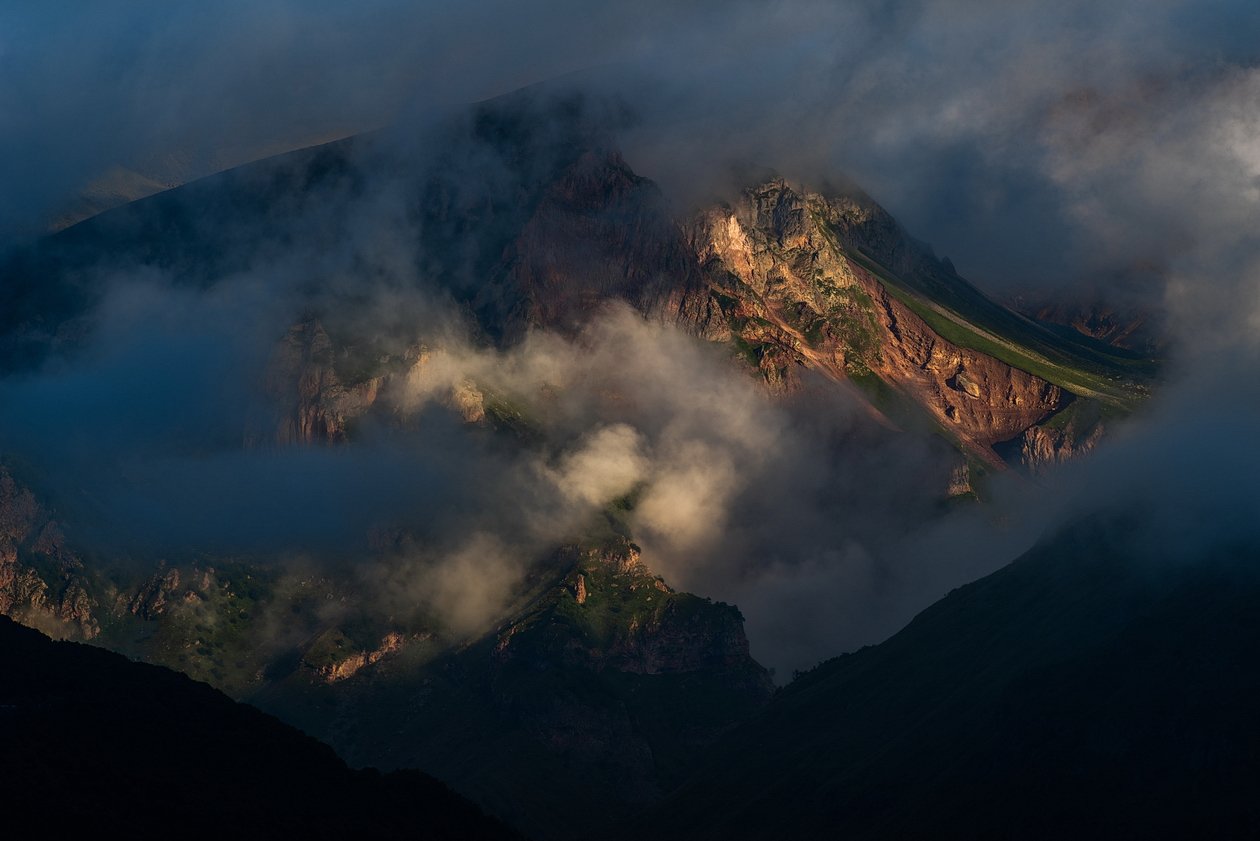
(1114, 380)
(1083, 414)
(882, 395)
(330, 647)
(215, 637)
(751, 352)
(509, 416)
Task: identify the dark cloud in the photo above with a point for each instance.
(1006, 133)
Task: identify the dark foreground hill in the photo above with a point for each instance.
(96, 743)
(1086, 691)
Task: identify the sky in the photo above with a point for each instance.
(1057, 149)
(1037, 144)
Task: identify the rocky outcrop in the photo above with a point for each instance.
(599, 232)
(960, 482)
(780, 264)
(348, 667)
(43, 582)
(1073, 433)
(613, 613)
(153, 597)
(309, 400)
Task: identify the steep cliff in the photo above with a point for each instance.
(1072, 432)
(307, 398)
(43, 582)
(784, 264)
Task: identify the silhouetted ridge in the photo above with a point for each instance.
(1085, 691)
(94, 741)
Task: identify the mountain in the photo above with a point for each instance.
(1093, 688)
(94, 740)
(578, 711)
(520, 218)
(833, 283)
(119, 184)
(580, 707)
(528, 217)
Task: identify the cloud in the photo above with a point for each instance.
(996, 130)
(735, 494)
(607, 464)
(472, 586)
(1045, 146)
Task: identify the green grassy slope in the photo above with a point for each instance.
(963, 315)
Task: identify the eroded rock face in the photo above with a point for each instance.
(42, 580)
(310, 401)
(342, 669)
(154, 595)
(983, 399)
(960, 482)
(793, 297)
(600, 232)
(1043, 447)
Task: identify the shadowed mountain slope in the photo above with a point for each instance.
(1084, 691)
(581, 705)
(94, 741)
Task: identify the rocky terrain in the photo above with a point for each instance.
(796, 297)
(605, 684)
(42, 580)
(604, 675)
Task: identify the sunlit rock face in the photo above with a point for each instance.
(782, 261)
(42, 579)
